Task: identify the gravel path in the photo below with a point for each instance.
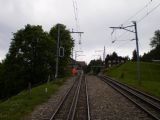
(45, 111)
(108, 104)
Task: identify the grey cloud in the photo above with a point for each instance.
(95, 18)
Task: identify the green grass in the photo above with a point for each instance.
(17, 107)
(150, 76)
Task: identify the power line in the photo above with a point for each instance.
(75, 14)
(123, 40)
(149, 12)
(127, 42)
(126, 28)
(139, 11)
(114, 38)
(75, 7)
(121, 36)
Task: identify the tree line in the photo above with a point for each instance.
(154, 53)
(95, 66)
(31, 58)
(92, 66)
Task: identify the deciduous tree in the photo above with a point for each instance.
(30, 59)
(66, 42)
(155, 41)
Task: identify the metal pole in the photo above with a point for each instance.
(72, 53)
(75, 56)
(137, 49)
(57, 57)
(72, 58)
(137, 45)
(104, 54)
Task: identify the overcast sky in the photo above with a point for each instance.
(94, 19)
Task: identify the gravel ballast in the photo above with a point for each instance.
(108, 104)
(45, 111)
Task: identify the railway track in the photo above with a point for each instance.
(146, 102)
(74, 104)
(82, 107)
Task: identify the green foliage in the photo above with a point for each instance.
(65, 41)
(114, 55)
(134, 57)
(150, 76)
(113, 59)
(92, 66)
(31, 58)
(155, 41)
(154, 54)
(22, 104)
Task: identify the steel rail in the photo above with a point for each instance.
(88, 107)
(74, 102)
(147, 99)
(78, 100)
(140, 92)
(75, 99)
(62, 101)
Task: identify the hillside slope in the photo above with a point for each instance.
(24, 103)
(150, 76)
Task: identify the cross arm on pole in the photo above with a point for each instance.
(128, 30)
(77, 32)
(124, 28)
(128, 26)
(137, 44)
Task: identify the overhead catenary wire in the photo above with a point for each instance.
(124, 40)
(76, 7)
(76, 14)
(149, 12)
(138, 12)
(134, 22)
(121, 37)
(120, 43)
(76, 29)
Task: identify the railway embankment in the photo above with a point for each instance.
(149, 81)
(19, 106)
(108, 104)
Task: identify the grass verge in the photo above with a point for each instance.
(150, 76)
(22, 104)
